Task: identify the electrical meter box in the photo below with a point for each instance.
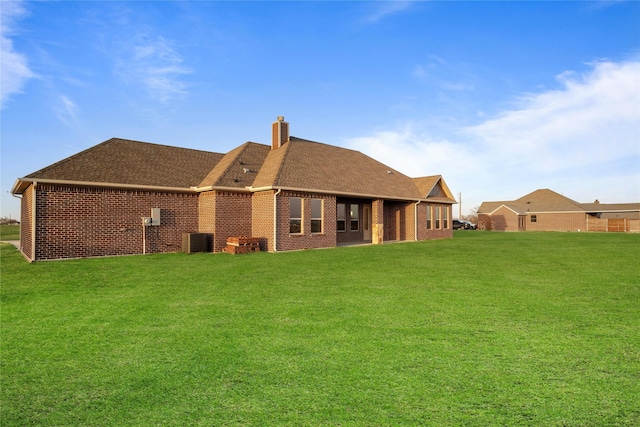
(155, 216)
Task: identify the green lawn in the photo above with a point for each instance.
(484, 329)
(9, 232)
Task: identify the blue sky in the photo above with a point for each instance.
(501, 98)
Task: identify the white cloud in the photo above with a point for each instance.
(582, 139)
(592, 118)
(383, 9)
(154, 63)
(66, 110)
(14, 66)
(438, 72)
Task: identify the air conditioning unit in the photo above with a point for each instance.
(195, 242)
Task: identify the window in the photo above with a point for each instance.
(341, 217)
(437, 209)
(445, 216)
(316, 215)
(429, 214)
(295, 215)
(534, 218)
(355, 217)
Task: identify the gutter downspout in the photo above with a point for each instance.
(275, 220)
(33, 221)
(144, 239)
(415, 217)
(19, 197)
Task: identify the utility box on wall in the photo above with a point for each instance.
(155, 216)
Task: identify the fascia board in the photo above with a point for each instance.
(337, 193)
(555, 212)
(612, 211)
(446, 188)
(503, 205)
(220, 188)
(18, 186)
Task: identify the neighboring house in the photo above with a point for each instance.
(126, 197)
(546, 210)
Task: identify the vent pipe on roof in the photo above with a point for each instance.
(280, 133)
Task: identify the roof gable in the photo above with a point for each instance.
(238, 168)
(545, 200)
(510, 206)
(537, 201)
(434, 188)
(121, 161)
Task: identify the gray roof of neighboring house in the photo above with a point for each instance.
(545, 200)
(618, 207)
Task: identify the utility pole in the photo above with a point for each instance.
(460, 206)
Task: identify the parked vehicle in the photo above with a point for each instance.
(463, 225)
(458, 225)
(469, 225)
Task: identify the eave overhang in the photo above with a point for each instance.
(22, 184)
(343, 193)
(220, 188)
(505, 206)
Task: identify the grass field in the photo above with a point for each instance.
(483, 329)
(9, 232)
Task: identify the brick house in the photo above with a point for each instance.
(127, 197)
(546, 210)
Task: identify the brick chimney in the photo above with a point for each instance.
(280, 133)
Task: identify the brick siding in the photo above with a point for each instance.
(233, 217)
(207, 215)
(26, 223)
(557, 222)
(77, 222)
(504, 219)
(306, 240)
(434, 233)
(262, 219)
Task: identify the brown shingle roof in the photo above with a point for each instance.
(434, 189)
(309, 165)
(543, 200)
(546, 200)
(298, 164)
(121, 161)
(609, 207)
(238, 168)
